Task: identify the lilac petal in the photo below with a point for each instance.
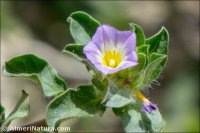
(98, 39)
(90, 47)
(126, 41)
(104, 69)
(122, 36)
(132, 56)
(149, 108)
(109, 70)
(94, 58)
(122, 66)
(109, 33)
(130, 44)
(92, 53)
(104, 36)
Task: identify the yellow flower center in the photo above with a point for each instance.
(112, 58)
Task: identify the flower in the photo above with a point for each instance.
(148, 106)
(111, 50)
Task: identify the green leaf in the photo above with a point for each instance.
(83, 102)
(137, 73)
(155, 67)
(75, 50)
(157, 56)
(100, 85)
(140, 37)
(2, 114)
(117, 97)
(144, 49)
(138, 80)
(131, 119)
(82, 26)
(153, 121)
(159, 42)
(34, 68)
(91, 69)
(142, 59)
(21, 109)
(136, 121)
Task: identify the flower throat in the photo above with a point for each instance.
(111, 58)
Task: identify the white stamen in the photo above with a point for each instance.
(112, 63)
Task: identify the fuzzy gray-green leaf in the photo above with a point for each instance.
(34, 68)
(159, 42)
(154, 67)
(140, 37)
(131, 119)
(83, 102)
(117, 97)
(82, 26)
(75, 50)
(136, 121)
(153, 121)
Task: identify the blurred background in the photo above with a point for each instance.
(40, 28)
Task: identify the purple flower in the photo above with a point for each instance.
(111, 50)
(149, 107)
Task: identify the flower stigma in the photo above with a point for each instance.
(111, 59)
